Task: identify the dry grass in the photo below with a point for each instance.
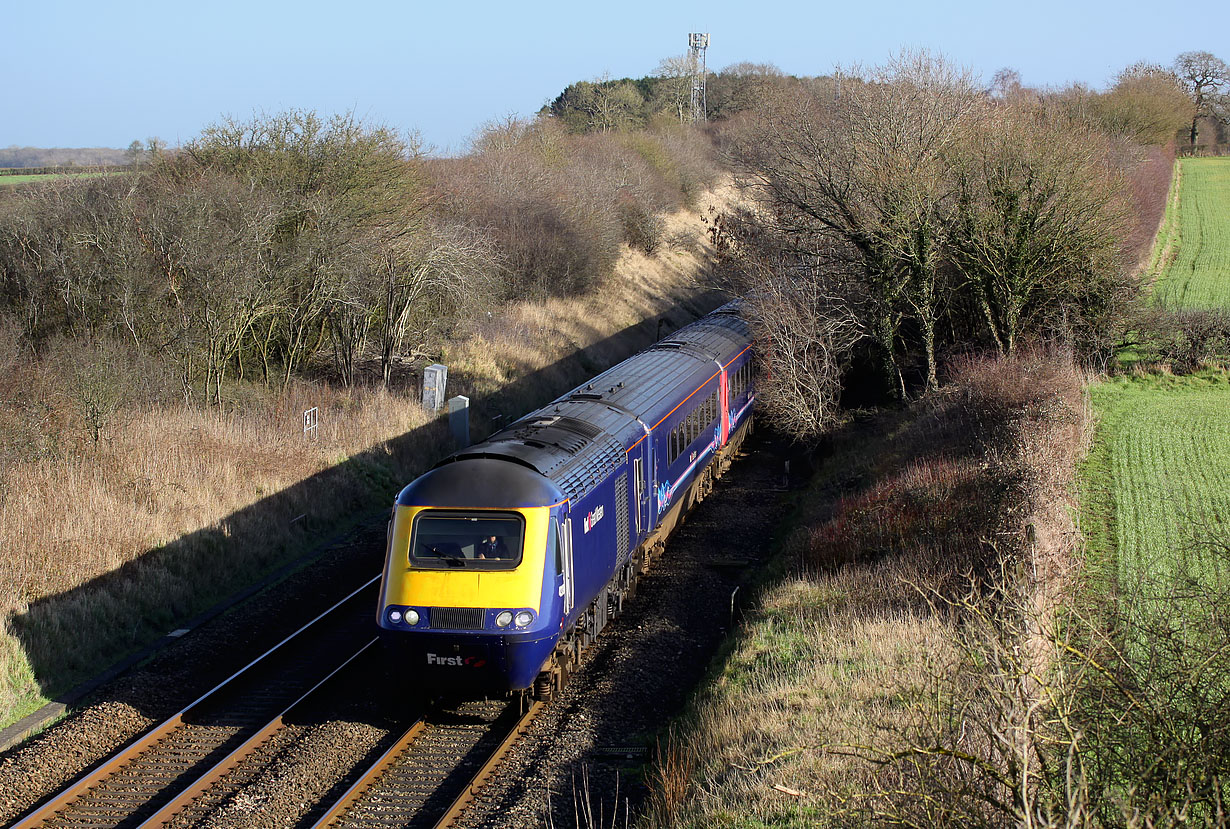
(831, 704)
(112, 544)
(109, 544)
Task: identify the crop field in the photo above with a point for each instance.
(9, 181)
(1156, 485)
(1157, 481)
(1194, 248)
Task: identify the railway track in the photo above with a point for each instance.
(433, 772)
(160, 774)
(178, 772)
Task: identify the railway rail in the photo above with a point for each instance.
(434, 771)
(159, 774)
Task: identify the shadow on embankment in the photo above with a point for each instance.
(119, 618)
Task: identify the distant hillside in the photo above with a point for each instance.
(61, 156)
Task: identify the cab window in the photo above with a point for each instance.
(478, 541)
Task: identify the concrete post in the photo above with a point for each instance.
(459, 420)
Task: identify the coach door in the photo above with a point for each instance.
(643, 473)
(564, 537)
(724, 405)
(638, 497)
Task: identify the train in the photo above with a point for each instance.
(508, 558)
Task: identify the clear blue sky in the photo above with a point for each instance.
(81, 74)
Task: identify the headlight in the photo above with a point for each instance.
(503, 619)
(395, 616)
(524, 618)
(412, 617)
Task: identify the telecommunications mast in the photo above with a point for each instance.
(697, 44)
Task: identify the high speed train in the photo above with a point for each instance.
(509, 556)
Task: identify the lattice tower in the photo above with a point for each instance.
(698, 42)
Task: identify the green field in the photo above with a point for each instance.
(1195, 240)
(1156, 486)
(8, 181)
(1157, 481)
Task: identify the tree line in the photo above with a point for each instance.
(61, 157)
(1191, 96)
(906, 213)
(292, 244)
(607, 105)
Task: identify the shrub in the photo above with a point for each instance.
(642, 227)
(1186, 339)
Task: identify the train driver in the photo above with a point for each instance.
(492, 547)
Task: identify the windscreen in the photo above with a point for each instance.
(479, 541)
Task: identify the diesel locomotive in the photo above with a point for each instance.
(509, 556)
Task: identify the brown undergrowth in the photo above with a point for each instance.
(117, 526)
(846, 698)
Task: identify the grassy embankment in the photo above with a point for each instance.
(832, 703)
(110, 544)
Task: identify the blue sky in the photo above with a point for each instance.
(81, 74)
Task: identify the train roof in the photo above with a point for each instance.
(483, 483)
(582, 437)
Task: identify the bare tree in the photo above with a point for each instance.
(673, 91)
(1204, 75)
(867, 171)
(803, 306)
(1147, 103)
(209, 238)
(339, 188)
(428, 283)
(1006, 83)
(741, 87)
(1039, 219)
